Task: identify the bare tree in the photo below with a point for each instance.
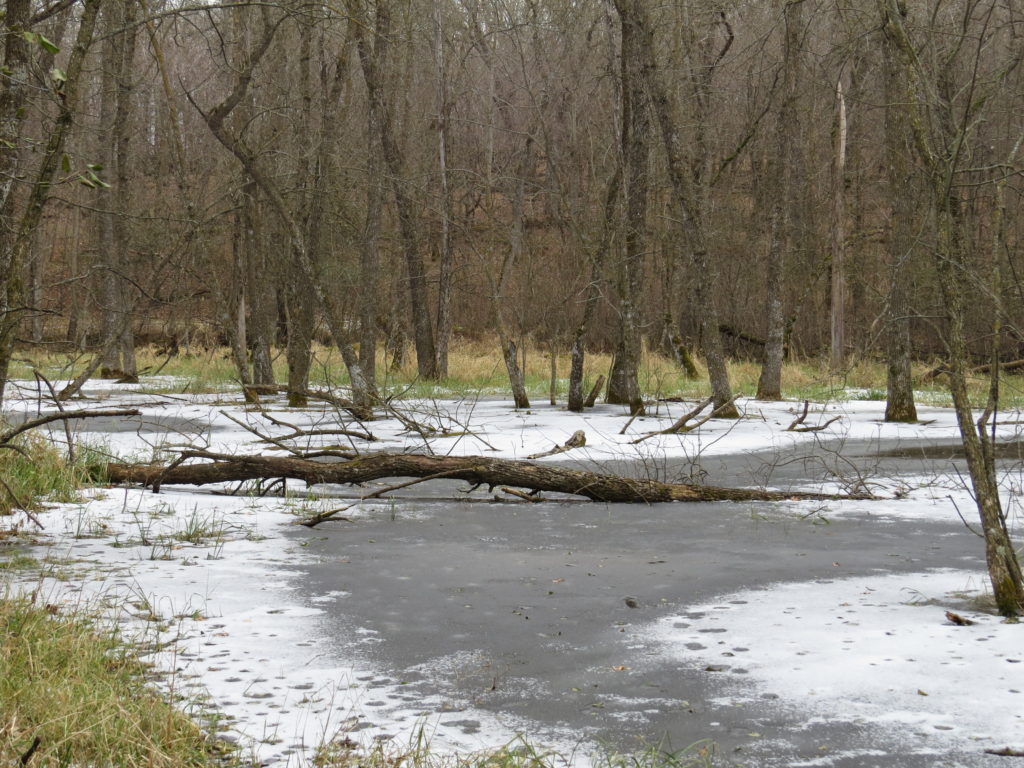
(364, 391)
(623, 385)
(943, 121)
(17, 232)
(690, 175)
(781, 205)
(373, 55)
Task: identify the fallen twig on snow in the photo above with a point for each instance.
(577, 440)
(799, 426)
(681, 426)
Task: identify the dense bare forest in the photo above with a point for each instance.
(751, 179)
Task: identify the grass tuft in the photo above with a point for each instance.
(78, 692)
(33, 469)
(519, 753)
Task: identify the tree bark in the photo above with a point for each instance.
(230, 312)
(16, 242)
(782, 204)
(116, 130)
(899, 401)
(623, 384)
(300, 311)
(369, 253)
(480, 470)
(514, 256)
(124, 130)
(837, 234)
(446, 252)
(592, 295)
(14, 93)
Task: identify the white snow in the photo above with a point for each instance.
(870, 650)
(865, 650)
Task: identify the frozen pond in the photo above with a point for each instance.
(789, 634)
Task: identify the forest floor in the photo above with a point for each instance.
(793, 633)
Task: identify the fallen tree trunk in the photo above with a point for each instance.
(479, 470)
(1011, 366)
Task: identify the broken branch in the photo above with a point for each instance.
(63, 416)
(680, 426)
(799, 426)
(578, 440)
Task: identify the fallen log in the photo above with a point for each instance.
(1011, 366)
(478, 470)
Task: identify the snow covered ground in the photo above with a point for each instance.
(214, 573)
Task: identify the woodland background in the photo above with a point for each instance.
(746, 179)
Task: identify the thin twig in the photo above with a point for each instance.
(60, 407)
(314, 521)
(21, 505)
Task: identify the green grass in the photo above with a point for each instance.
(17, 561)
(77, 688)
(68, 684)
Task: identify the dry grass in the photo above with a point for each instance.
(33, 469)
(74, 690)
(477, 368)
(520, 753)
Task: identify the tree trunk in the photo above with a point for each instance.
(124, 130)
(14, 252)
(592, 295)
(782, 204)
(109, 292)
(479, 470)
(374, 62)
(837, 233)
(230, 312)
(688, 195)
(446, 254)
(902, 199)
(516, 250)
(369, 253)
(623, 384)
(14, 92)
(233, 312)
(1000, 554)
(300, 311)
